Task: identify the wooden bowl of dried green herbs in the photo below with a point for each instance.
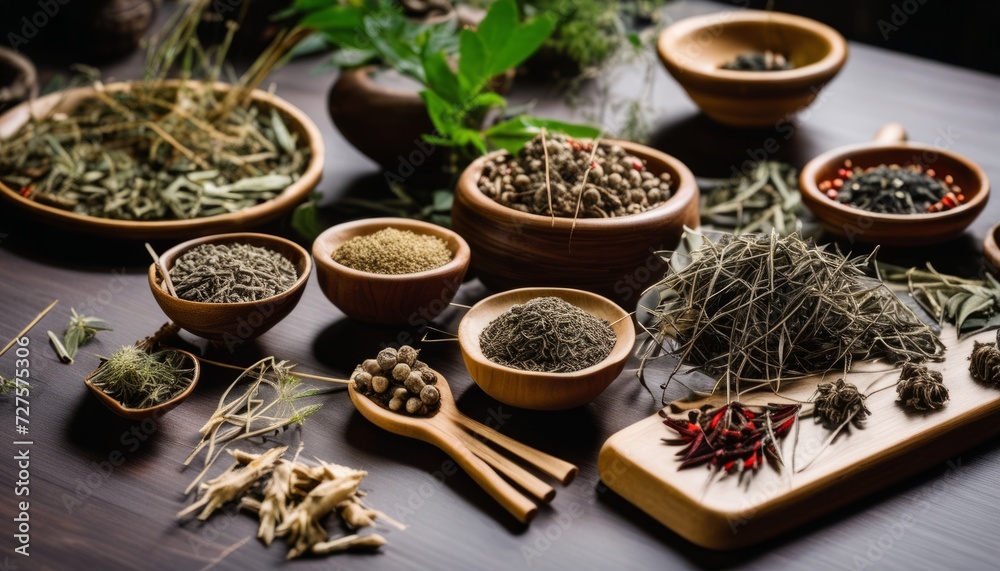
(390, 270)
(545, 348)
(167, 159)
(137, 383)
(231, 288)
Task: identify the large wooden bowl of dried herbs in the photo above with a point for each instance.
(164, 159)
(591, 219)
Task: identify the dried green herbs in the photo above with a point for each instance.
(398, 381)
(766, 198)
(921, 388)
(556, 175)
(231, 273)
(141, 379)
(892, 189)
(758, 310)
(547, 334)
(984, 362)
(972, 306)
(393, 251)
(759, 61)
(839, 402)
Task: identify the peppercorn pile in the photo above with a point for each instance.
(393, 251)
(549, 172)
(398, 381)
(893, 189)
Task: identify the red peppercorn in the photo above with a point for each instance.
(948, 201)
(838, 183)
(960, 197)
(832, 194)
(637, 165)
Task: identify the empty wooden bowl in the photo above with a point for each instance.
(610, 256)
(232, 323)
(694, 49)
(991, 249)
(389, 298)
(890, 147)
(153, 411)
(544, 391)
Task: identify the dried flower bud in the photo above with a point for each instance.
(419, 365)
(363, 383)
(414, 405)
(371, 367)
(400, 372)
(395, 404)
(386, 359)
(428, 376)
(380, 384)
(406, 355)
(921, 388)
(429, 395)
(836, 403)
(984, 363)
(414, 382)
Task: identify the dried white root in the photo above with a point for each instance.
(370, 541)
(233, 483)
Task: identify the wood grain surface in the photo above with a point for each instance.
(104, 490)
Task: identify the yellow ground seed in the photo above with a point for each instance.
(393, 251)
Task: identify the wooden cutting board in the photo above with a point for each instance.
(894, 443)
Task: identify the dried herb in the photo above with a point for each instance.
(972, 306)
(759, 61)
(139, 379)
(839, 402)
(766, 198)
(231, 273)
(892, 189)
(8, 385)
(761, 309)
(82, 329)
(547, 334)
(734, 438)
(984, 362)
(921, 388)
(398, 381)
(393, 251)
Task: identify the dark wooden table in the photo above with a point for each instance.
(104, 492)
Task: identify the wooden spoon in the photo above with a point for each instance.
(456, 435)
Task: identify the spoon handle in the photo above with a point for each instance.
(513, 501)
(521, 477)
(558, 469)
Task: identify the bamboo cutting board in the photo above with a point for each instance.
(893, 444)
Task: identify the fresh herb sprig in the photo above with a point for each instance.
(82, 328)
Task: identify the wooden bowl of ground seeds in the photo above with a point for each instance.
(390, 270)
(231, 288)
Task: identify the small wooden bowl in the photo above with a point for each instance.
(232, 323)
(297, 122)
(389, 299)
(18, 78)
(153, 411)
(991, 250)
(610, 256)
(694, 49)
(890, 147)
(544, 391)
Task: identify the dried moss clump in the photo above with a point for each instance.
(393, 251)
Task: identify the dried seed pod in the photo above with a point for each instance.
(386, 359)
(363, 383)
(406, 355)
(428, 376)
(837, 402)
(414, 405)
(415, 383)
(419, 365)
(395, 403)
(380, 384)
(400, 393)
(430, 395)
(371, 367)
(984, 363)
(400, 372)
(921, 388)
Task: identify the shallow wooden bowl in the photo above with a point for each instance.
(18, 78)
(991, 249)
(544, 391)
(890, 147)
(389, 299)
(610, 256)
(297, 122)
(153, 411)
(693, 50)
(232, 323)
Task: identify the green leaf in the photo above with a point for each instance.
(441, 113)
(442, 79)
(304, 218)
(512, 135)
(353, 57)
(523, 41)
(281, 133)
(442, 200)
(334, 18)
(487, 100)
(73, 339)
(496, 28)
(472, 61)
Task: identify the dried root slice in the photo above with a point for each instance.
(233, 483)
(347, 542)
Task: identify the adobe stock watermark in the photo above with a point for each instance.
(33, 23)
(900, 14)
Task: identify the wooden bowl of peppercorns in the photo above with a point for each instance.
(616, 256)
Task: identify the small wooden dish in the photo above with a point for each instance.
(297, 122)
(615, 257)
(694, 49)
(18, 78)
(544, 391)
(153, 411)
(383, 298)
(991, 249)
(890, 147)
(232, 323)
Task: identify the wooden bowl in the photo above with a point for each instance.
(544, 391)
(153, 411)
(296, 120)
(991, 250)
(389, 299)
(890, 147)
(610, 256)
(693, 50)
(232, 323)
(18, 78)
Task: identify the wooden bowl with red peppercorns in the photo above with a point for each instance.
(945, 220)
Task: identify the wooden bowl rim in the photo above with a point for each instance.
(991, 248)
(137, 413)
(284, 201)
(16, 61)
(827, 65)
(807, 182)
(685, 192)
(468, 339)
(323, 247)
(168, 257)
